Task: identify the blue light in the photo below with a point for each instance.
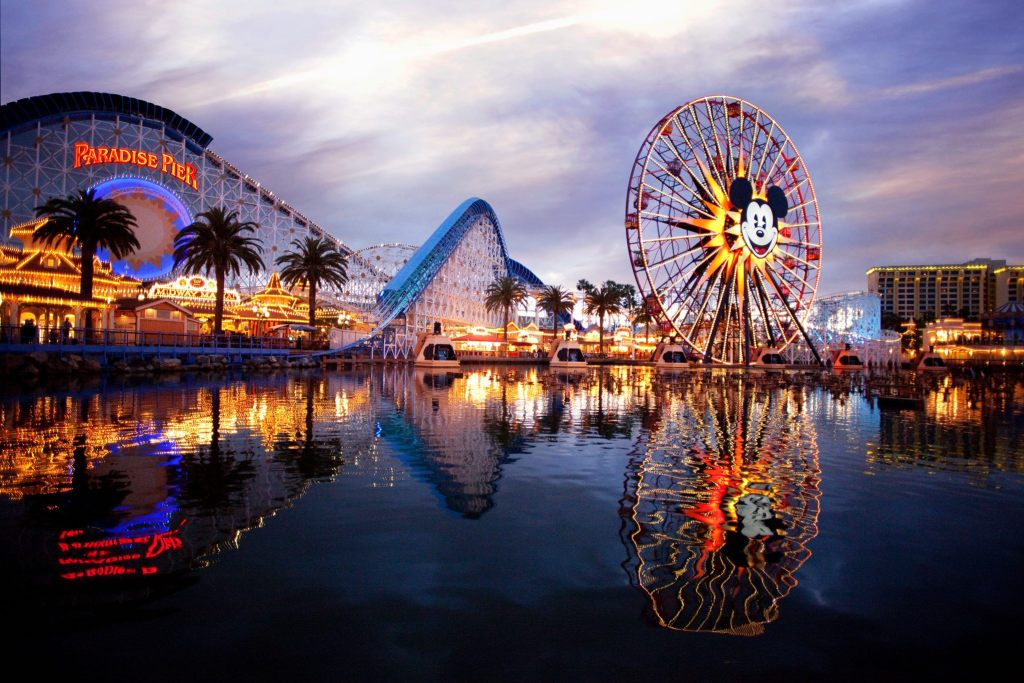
(161, 214)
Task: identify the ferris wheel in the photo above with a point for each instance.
(723, 229)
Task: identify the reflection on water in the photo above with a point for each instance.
(721, 499)
(122, 493)
(145, 482)
(964, 426)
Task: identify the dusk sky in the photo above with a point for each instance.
(377, 119)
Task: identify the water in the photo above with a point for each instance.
(512, 524)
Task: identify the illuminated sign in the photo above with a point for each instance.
(87, 155)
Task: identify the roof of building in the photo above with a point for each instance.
(60, 104)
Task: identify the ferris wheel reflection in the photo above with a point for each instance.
(721, 499)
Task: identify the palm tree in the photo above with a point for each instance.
(315, 261)
(607, 300)
(555, 301)
(641, 316)
(89, 223)
(502, 294)
(218, 242)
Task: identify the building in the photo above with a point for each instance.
(159, 166)
(967, 290)
(1009, 285)
(148, 158)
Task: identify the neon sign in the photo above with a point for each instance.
(87, 155)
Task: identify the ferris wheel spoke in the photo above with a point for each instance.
(723, 302)
(796, 187)
(793, 273)
(809, 202)
(792, 315)
(769, 140)
(753, 139)
(676, 257)
(683, 185)
(714, 133)
(675, 150)
(704, 146)
(699, 271)
(763, 303)
(672, 238)
(797, 258)
(675, 198)
(763, 180)
(698, 318)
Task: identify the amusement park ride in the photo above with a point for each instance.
(724, 232)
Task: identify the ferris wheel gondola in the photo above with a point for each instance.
(723, 229)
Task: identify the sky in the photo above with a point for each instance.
(377, 119)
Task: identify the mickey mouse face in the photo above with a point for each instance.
(759, 219)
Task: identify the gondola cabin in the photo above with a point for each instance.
(767, 358)
(932, 362)
(435, 350)
(567, 354)
(847, 359)
(668, 355)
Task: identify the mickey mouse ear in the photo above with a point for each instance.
(777, 200)
(740, 193)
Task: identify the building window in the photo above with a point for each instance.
(150, 313)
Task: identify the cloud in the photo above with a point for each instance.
(376, 120)
(963, 80)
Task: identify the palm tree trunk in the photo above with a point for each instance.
(600, 335)
(218, 311)
(312, 303)
(506, 331)
(554, 330)
(85, 287)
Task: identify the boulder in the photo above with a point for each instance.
(89, 365)
(38, 358)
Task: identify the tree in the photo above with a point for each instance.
(315, 261)
(556, 301)
(219, 243)
(610, 299)
(641, 316)
(89, 223)
(501, 295)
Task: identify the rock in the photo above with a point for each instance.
(121, 366)
(38, 358)
(167, 364)
(89, 365)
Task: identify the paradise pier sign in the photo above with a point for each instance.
(87, 155)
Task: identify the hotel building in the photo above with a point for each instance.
(969, 289)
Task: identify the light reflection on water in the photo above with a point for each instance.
(126, 493)
(721, 501)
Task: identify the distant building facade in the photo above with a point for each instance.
(967, 289)
(1009, 285)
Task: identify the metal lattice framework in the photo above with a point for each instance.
(370, 269)
(37, 149)
(445, 279)
(725, 274)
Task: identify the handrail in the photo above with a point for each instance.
(30, 336)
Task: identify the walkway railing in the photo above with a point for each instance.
(58, 337)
